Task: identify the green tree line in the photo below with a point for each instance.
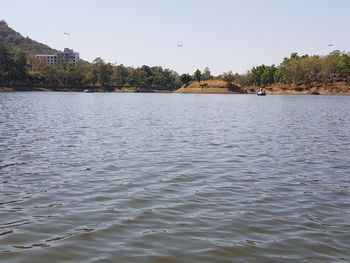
(19, 67)
(296, 70)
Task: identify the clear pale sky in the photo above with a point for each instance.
(220, 34)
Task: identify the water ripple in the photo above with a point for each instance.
(174, 178)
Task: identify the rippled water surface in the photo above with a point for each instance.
(174, 178)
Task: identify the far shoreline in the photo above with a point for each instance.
(203, 87)
(10, 90)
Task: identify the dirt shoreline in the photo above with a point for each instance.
(12, 88)
(205, 87)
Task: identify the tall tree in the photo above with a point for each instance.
(268, 75)
(198, 75)
(103, 70)
(206, 75)
(228, 77)
(6, 63)
(20, 61)
(120, 75)
(185, 79)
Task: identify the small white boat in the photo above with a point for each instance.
(88, 91)
(261, 92)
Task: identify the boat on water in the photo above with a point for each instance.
(88, 91)
(261, 92)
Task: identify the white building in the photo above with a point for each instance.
(68, 56)
(48, 59)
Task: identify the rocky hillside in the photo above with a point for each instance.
(16, 41)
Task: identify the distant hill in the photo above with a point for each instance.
(16, 41)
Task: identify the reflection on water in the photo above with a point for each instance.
(174, 178)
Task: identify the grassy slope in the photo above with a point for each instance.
(209, 86)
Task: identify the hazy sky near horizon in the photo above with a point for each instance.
(220, 34)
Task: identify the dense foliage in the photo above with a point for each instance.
(185, 79)
(12, 65)
(19, 67)
(297, 70)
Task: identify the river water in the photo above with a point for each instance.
(174, 178)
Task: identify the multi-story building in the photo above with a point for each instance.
(48, 59)
(68, 56)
